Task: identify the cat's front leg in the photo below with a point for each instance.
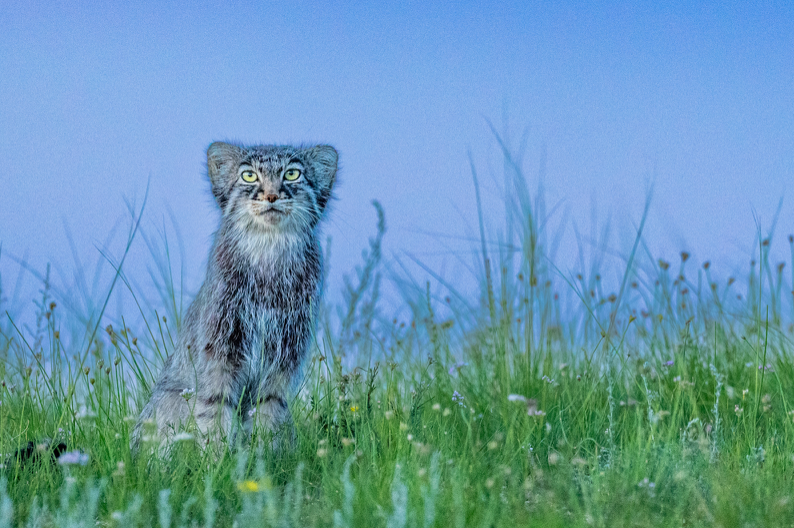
(214, 417)
(215, 405)
(272, 417)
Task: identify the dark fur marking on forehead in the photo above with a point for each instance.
(272, 154)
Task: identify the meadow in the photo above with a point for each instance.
(557, 394)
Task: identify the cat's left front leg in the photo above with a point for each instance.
(272, 416)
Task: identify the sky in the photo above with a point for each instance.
(694, 100)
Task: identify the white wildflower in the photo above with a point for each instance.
(84, 412)
(73, 457)
(531, 403)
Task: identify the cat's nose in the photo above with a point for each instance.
(271, 197)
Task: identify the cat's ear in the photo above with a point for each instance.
(222, 161)
(324, 160)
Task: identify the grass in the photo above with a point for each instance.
(541, 400)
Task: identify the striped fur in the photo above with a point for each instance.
(247, 332)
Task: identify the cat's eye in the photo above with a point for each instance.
(248, 176)
(292, 174)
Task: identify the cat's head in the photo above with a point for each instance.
(272, 188)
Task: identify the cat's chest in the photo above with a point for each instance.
(275, 318)
(267, 293)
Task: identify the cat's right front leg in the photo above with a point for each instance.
(215, 407)
(214, 418)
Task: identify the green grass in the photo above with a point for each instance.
(548, 398)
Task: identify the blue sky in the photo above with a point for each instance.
(694, 99)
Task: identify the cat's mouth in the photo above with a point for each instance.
(270, 215)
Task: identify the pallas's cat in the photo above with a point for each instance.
(246, 333)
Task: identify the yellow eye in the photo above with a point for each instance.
(292, 174)
(248, 176)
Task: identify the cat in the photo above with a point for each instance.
(245, 335)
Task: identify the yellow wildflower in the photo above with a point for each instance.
(252, 486)
(248, 486)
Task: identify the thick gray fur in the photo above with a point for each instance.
(248, 330)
